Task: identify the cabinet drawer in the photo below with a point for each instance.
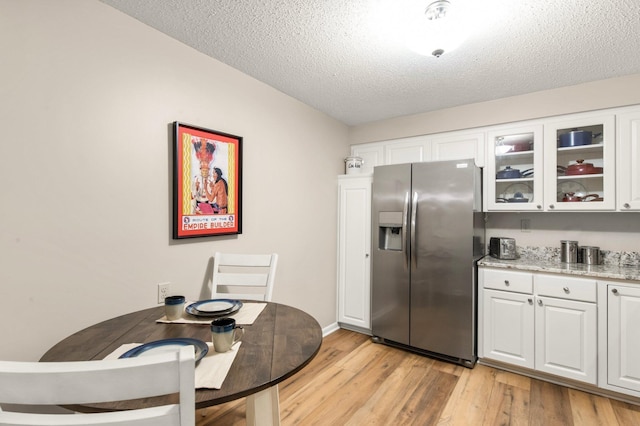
(518, 282)
(566, 287)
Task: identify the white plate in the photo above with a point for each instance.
(214, 306)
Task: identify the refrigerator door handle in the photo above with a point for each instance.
(405, 222)
(414, 212)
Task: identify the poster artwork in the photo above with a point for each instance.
(207, 167)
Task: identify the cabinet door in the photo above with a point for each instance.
(354, 247)
(458, 146)
(566, 338)
(583, 171)
(623, 318)
(514, 171)
(629, 161)
(409, 150)
(508, 327)
(372, 155)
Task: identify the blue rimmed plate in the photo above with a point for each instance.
(168, 345)
(214, 308)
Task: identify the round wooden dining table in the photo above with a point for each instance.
(280, 342)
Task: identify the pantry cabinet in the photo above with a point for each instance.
(628, 161)
(354, 251)
(543, 322)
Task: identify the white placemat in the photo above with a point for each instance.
(210, 371)
(245, 316)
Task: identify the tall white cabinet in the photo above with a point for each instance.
(354, 251)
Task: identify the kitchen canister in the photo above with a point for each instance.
(353, 165)
(568, 251)
(590, 255)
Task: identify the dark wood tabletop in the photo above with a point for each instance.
(280, 343)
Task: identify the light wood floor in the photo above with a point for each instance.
(353, 381)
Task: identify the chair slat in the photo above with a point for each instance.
(83, 382)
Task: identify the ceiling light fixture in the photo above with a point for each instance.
(440, 30)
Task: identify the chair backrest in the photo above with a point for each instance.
(243, 276)
(85, 382)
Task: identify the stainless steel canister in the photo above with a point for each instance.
(568, 251)
(590, 255)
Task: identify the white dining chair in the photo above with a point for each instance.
(24, 384)
(243, 276)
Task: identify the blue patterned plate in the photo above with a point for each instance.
(168, 345)
(214, 308)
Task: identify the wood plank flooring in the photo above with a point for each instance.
(353, 381)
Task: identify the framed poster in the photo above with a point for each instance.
(207, 182)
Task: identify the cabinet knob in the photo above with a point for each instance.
(626, 205)
(614, 290)
(506, 282)
(530, 300)
(366, 255)
(551, 206)
(566, 290)
(539, 207)
(539, 302)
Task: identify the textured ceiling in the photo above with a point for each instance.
(345, 57)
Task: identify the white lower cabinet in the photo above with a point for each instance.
(565, 338)
(622, 318)
(542, 322)
(354, 248)
(508, 327)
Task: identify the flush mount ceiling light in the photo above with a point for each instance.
(441, 29)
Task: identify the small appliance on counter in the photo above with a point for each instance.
(502, 248)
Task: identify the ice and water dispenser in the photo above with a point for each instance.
(390, 231)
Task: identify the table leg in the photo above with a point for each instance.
(263, 408)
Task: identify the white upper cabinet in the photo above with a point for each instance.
(628, 155)
(372, 155)
(458, 146)
(579, 160)
(514, 169)
(576, 162)
(408, 150)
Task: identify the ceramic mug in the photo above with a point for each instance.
(225, 333)
(173, 307)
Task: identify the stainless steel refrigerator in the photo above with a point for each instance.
(427, 236)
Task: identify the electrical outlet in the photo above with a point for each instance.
(163, 291)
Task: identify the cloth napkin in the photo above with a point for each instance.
(245, 316)
(210, 370)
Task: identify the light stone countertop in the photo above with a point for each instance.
(548, 260)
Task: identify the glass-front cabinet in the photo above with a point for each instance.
(514, 169)
(579, 163)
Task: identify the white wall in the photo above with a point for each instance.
(609, 231)
(87, 95)
(596, 95)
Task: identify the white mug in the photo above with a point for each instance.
(173, 307)
(225, 334)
